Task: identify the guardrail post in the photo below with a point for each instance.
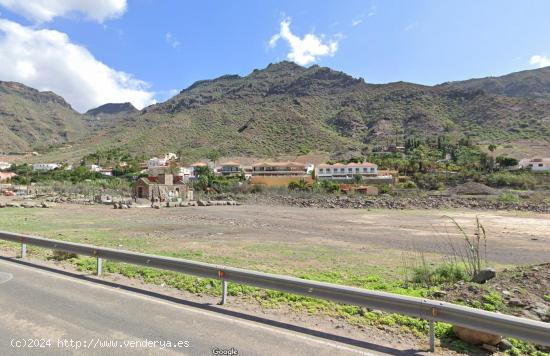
(23, 250)
(432, 335)
(99, 266)
(224, 292)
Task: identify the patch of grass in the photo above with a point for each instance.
(521, 348)
(509, 197)
(547, 298)
(436, 275)
(493, 301)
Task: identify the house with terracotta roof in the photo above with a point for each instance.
(279, 173)
(230, 169)
(340, 171)
(6, 176)
(539, 165)
(279, 169)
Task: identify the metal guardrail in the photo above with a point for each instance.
(431, 310)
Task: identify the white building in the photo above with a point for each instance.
(340, 171)
(161, 161)
(95, 168)
(539, 165)
(44, 166)
(156, 162)
(108, 172)
(4, 166)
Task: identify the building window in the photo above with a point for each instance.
(321, 170)
(365, 169)
(372, 170)
(342, 170)
(350, 170)
(356, 170)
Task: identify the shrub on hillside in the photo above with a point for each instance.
(512, 180)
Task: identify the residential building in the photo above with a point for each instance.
(108, 172)
(6, 176)
(539, 165)
(4, 166)
(184, 173)
(229, 169)
(279, 173)
(195, 166)
(340, 171)
(45, 166)
(95, 168)
(160, 162)
(156, 162)
(279, 169)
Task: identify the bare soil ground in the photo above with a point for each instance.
(296, 236)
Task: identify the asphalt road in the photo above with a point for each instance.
(46, 310)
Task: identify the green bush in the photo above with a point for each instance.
(509, 197)
(300, 185)
(328, 186)
(433, 276)
(409, 185)
(513, 180)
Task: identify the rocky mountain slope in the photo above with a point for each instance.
(30, 119)
(524, 84)
(286, 108)
(113, 109)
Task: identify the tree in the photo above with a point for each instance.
(300, 185)
(205, 178)
(492, 147)
(507, 161)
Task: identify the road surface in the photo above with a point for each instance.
(60, 314)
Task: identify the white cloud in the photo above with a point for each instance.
(304, 50)
(356, 22)
(540, 61)
(172, 41)
(372, 11)
(45, 10)
(47, 60)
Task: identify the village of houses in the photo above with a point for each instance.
(164, 180)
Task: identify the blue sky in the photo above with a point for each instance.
(165, 45)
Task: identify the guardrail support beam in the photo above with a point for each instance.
(23, 250)
(99, 266)
(224, 292)
(432, 336)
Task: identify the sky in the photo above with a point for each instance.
(144, 51)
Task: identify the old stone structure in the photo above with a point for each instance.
(161, 188)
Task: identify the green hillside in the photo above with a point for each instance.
(286, 108)
(289, 109)
(32, 120)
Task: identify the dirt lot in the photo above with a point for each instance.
(269, 238)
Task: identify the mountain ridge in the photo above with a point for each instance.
(32, 119)
(286, 108)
